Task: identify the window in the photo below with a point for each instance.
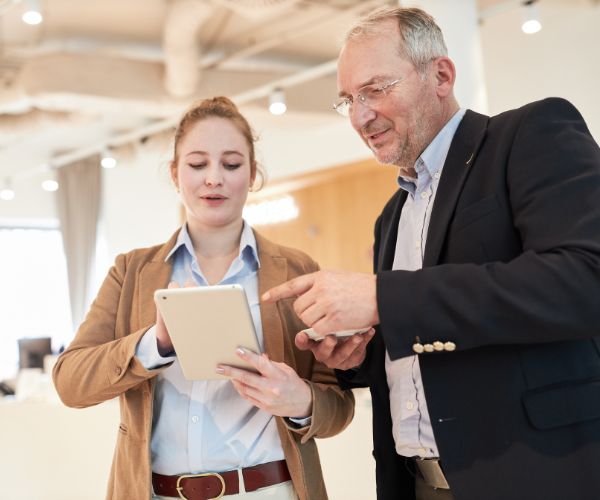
(34, 295)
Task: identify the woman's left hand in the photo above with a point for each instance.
(276, 387)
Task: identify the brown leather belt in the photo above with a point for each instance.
(211, 485)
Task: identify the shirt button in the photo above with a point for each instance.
(118, 371)
(195, 419)
(437, 175)
(424, 194)
(410, 405)
(417, 244)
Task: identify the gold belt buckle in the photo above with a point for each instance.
(187, 476)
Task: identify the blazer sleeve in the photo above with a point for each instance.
(98, 366)
(548, 291)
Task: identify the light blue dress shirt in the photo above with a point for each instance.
(411, 425)
(201, 426)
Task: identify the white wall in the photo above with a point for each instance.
(140, 206)
(561, 60)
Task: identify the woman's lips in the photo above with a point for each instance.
(214, 200)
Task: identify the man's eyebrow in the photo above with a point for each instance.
(370, 81)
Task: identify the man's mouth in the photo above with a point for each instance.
(374, 136)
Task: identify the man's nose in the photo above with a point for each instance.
(361, 115)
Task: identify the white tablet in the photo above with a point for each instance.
(206, 325)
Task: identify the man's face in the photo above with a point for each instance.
(399, 126)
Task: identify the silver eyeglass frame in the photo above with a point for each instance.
(343, 104)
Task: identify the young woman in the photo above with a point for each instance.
(251, 436)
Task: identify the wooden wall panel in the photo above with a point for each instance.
(338, 208)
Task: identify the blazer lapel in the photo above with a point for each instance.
(388, 242)
(154, 275)
(461, 156)
(272, 272)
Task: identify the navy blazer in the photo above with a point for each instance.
(511, 276)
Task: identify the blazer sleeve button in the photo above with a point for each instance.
(450, 346)
(438, 346)
(428, 348)
(418, 348)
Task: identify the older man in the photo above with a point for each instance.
(484, 366)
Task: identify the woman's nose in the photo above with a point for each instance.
(213, 177)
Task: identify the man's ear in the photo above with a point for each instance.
(445, 75)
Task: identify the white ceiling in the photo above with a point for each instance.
(116, 70)
(112, 72)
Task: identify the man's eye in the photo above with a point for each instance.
(231, 166)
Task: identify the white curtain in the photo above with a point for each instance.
(78, 203)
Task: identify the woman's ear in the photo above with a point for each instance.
(253, 171)
(173, 172)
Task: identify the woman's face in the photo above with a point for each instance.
(213, 173)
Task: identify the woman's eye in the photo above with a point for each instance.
(231, 166)
(197, 165)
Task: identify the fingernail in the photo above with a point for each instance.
(220, 370)
(240, 351)
(266, 296)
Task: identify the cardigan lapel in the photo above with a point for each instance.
(461, 156)
(154, 274)
(272, 272)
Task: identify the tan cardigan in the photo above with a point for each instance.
(100, 364)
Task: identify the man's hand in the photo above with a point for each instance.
(331, 301)
(276, 388)
(342, 353)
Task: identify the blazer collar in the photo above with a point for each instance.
(462, 153)
(461, 156)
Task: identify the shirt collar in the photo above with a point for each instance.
(248, 249)
(432, 159)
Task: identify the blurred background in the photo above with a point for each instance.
(89, 95)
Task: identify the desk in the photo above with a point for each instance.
(51, 452)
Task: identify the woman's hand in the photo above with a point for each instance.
(276, 388)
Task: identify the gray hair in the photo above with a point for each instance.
(422, 38)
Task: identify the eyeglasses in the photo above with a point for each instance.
(369, 95)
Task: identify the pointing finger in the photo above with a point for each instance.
(291, 288)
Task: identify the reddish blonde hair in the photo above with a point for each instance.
(216, 107)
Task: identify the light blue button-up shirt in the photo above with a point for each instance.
(205, 425)
(411, 425)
